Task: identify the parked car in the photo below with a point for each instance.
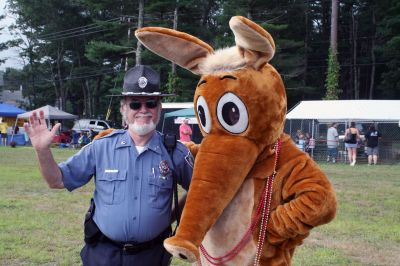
(85, 125)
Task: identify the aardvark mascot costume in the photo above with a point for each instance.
(254, 195)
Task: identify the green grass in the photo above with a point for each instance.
(40, 226)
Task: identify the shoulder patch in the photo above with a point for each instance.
(185, 153)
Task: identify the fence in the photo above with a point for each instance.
(389, 144)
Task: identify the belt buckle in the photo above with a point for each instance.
(129, 247)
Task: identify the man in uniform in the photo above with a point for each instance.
(134, 177)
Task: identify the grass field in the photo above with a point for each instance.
(40, 226)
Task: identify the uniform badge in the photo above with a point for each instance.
(142, 81)
(164, 169)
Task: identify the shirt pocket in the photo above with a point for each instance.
(160, 189)
(110, 187)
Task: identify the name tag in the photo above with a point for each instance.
(111, 171)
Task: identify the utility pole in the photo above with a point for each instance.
(127, 19)
(334, 23)
(175, 27)
(139, 25)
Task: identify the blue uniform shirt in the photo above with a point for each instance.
(133, 192)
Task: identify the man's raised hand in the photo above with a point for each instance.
(37, 131)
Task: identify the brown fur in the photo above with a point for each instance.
(103, 133)
(228, 163)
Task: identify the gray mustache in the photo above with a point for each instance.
(144, 115)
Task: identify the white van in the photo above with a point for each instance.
(90, 124)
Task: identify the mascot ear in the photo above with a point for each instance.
(254, 43)
(180, 48)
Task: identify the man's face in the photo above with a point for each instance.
(141, 114)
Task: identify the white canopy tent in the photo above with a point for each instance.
(50, 112)
(382, 111)
(347, 110)
(344, 111)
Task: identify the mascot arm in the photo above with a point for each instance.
(309, 201)
(193, 147)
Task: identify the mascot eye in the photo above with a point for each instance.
(203, 114)
(232, 113)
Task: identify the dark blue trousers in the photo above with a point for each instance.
(104, 253)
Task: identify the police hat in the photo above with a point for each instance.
(142, 81)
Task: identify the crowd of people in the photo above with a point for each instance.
(352, 142)
(303, 140)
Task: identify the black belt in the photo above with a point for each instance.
(134, 247)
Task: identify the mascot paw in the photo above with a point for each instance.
(104, 133)
(193, 147)
(182, 249)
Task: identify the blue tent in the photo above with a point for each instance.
(10, 110)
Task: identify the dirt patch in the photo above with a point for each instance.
(362, 252)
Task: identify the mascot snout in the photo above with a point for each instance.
(217, 176)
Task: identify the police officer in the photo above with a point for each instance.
(133, 178)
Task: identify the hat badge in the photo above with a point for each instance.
(142, 81)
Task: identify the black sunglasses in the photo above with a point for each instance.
(136, 105)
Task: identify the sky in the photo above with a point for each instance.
(12, 56)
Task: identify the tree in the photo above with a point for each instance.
(3, 46)
(388, 47)
(332, 79)
(74, 53)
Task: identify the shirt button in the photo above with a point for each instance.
(135, 198)
(123, 142)
(134, 218)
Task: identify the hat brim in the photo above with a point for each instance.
(131, 94)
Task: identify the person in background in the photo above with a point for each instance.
(307, 138)
(16, 129)
(332, 141)
(299, 132)
(351, 143)
(185, 131)
(372, 138)
(91, 135)
(3, 131)
(131, 211)
(83, 139)
(301, 141)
